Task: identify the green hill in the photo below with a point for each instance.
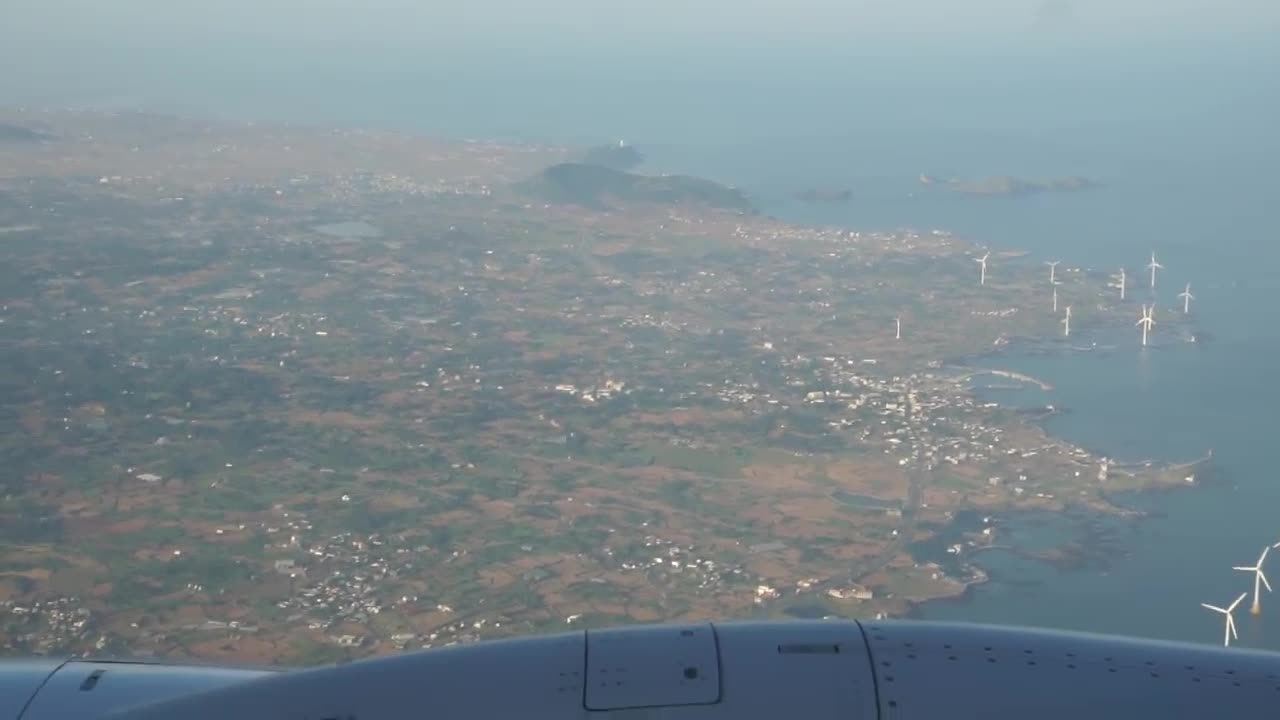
(17, 133)
(595, 186)
(617, 157)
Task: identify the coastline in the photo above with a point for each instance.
(1009, 374)
(1082, 543)
(1149, 477)
(1083, 519)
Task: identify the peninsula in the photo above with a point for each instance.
(291, 395)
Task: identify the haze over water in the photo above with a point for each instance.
(1181, 139)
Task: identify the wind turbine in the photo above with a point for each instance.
(1066, 323)
(1055, 298)
(1153, 265)
(1146, 322)
(1230, 631)
(983, 278)
(1053, 266)
(1187, 297)
(1122, 283)
(1258, 579)
(897, 333)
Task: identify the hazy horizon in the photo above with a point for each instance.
(52, 41)
(479, 22)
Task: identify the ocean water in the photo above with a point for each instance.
(1208, 217)
(1181, 137)
(1198, 189)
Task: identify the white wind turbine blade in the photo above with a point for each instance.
(1263, 556)
(1247, 569)
(1277, 546)
(1262, 576)
(1231, 625)
(1231, 608)
(1214, 608)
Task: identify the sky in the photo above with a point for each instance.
(243, 56)
(51, 26)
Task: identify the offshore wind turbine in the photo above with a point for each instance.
(1230, 631)
(1053, 266)
(1147, 321)
(1258, 579)
(1122, 283)
(1055, 298)
(897, 333)
(1187, 297)
(983, 277)
(1066, 323)
(1153, 266)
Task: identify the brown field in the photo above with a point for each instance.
(791, 475)
(686, 417)
(187, 281)
(321, 290)
(337, 418)
(32, 418)
(238, 648)
(37, 574)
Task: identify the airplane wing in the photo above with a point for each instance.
(43, 688)
(865, 670)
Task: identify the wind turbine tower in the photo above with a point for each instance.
(1055, 298)
(983, 260)
(1123, 282)
(1259, 580)
(897, 333)
(1053, 266)
(1066, 323)
(1230, 631)
(1146, 322)
(1187, 297)
(1153, 266)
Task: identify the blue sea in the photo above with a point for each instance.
(1181, 137)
